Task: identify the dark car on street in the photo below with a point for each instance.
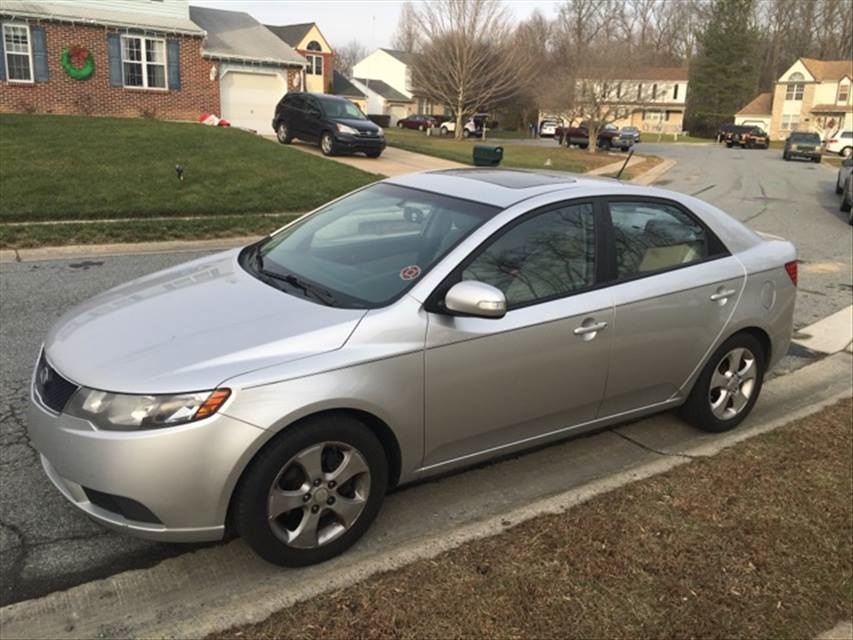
(753, 138)
(631, 132)
(334, 123)
(417, 121)
(606, 139)
(802, 144)
(730, 137)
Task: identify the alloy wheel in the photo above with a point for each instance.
(326, 143)
(733, 383)
(318, 495)
(282, 132)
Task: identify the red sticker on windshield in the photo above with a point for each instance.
(410, 273)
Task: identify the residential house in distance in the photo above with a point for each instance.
(758, 112)
(341, 86)
(253, 66)
(652, 99)
(396, 96)
(104, 57)
(308, 41)
(812, 95)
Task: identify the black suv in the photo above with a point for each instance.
(334, 122)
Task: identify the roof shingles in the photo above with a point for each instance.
(761, 105)
(830, 70)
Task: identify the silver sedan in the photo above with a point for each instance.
(417, 325)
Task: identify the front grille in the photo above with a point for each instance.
(53, 389)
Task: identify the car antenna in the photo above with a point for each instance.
(625, 164)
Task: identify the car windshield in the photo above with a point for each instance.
(805, 137)
(341, 109)
(366, 249)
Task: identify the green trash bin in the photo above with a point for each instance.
(487, 155)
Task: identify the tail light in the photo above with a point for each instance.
(831, 141)
(791, 268)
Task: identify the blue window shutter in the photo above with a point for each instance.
(2, 56)
(173, 58)
(39, 45)
(114, 58)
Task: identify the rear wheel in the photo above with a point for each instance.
(327, 144)
(728, 386)
(313, 492)
(283, 134)
(817, 160)
(444, 131)
(786, 157)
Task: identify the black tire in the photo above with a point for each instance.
(327, 144)
(444, 131)
(845, 205)
(250, 500)
(729, 145)
(466, 133)
(838, 190)
(282, 132)
(786, 157)
(816, 160)
(583, 146)
(373, 154)
(697, 410)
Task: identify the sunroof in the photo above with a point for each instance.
(509, 178)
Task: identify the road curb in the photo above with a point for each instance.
(214, 589)
(654, 173)
(122, 249)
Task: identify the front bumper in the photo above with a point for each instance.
(354, 144)
(183, 475)
(810, 153)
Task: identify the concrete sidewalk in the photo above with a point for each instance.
(219, 587)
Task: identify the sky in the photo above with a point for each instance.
(371, 22)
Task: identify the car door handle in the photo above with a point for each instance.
(590, 328)
(727, 293)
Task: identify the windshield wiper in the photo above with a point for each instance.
(311, 290)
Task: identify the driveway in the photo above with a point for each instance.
(392, 162)
(46, 545)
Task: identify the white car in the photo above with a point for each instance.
(840, 142)
(470, 128)
(548, 128)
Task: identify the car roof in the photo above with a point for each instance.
(496, 187)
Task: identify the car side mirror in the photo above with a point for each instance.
(478, 299)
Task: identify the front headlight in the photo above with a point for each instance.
(346, 129)
(126, 412)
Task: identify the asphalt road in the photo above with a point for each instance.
(46, 545)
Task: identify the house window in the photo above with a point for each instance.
(640, 92)
(843, 93)
(790, 122)
(315, 65)
(675, 92)
(794, 91)
(654, 92)
(143, 62)
(618, 91)
(19, 53)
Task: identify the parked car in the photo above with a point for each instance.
(847, 198)
(723, 130)
(802, 144)
(420, 324)
(548, 128)
(473, 127)
(844, 170)
(752, 138)
(418, 121)
(334, 123)
(731, 136)
(608, 138)
(840, 142)
(631, 132)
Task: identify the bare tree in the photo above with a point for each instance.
(408, 36)
(348, 55)
(466, 61)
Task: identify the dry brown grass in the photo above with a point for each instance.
(753, 543)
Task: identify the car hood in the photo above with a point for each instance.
(361, 125)
(189, 328)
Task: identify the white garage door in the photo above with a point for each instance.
(397, 112)
(249, 99)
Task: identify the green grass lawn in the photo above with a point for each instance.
(517, 156)
(70, 167)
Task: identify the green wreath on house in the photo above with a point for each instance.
(78, 62)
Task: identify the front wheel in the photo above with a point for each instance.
(283, 134)
(444, 131)
(327, 144)
(312, 492)
(728, 386)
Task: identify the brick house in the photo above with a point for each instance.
(307, 40)
(812, 95)
(146, 55)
